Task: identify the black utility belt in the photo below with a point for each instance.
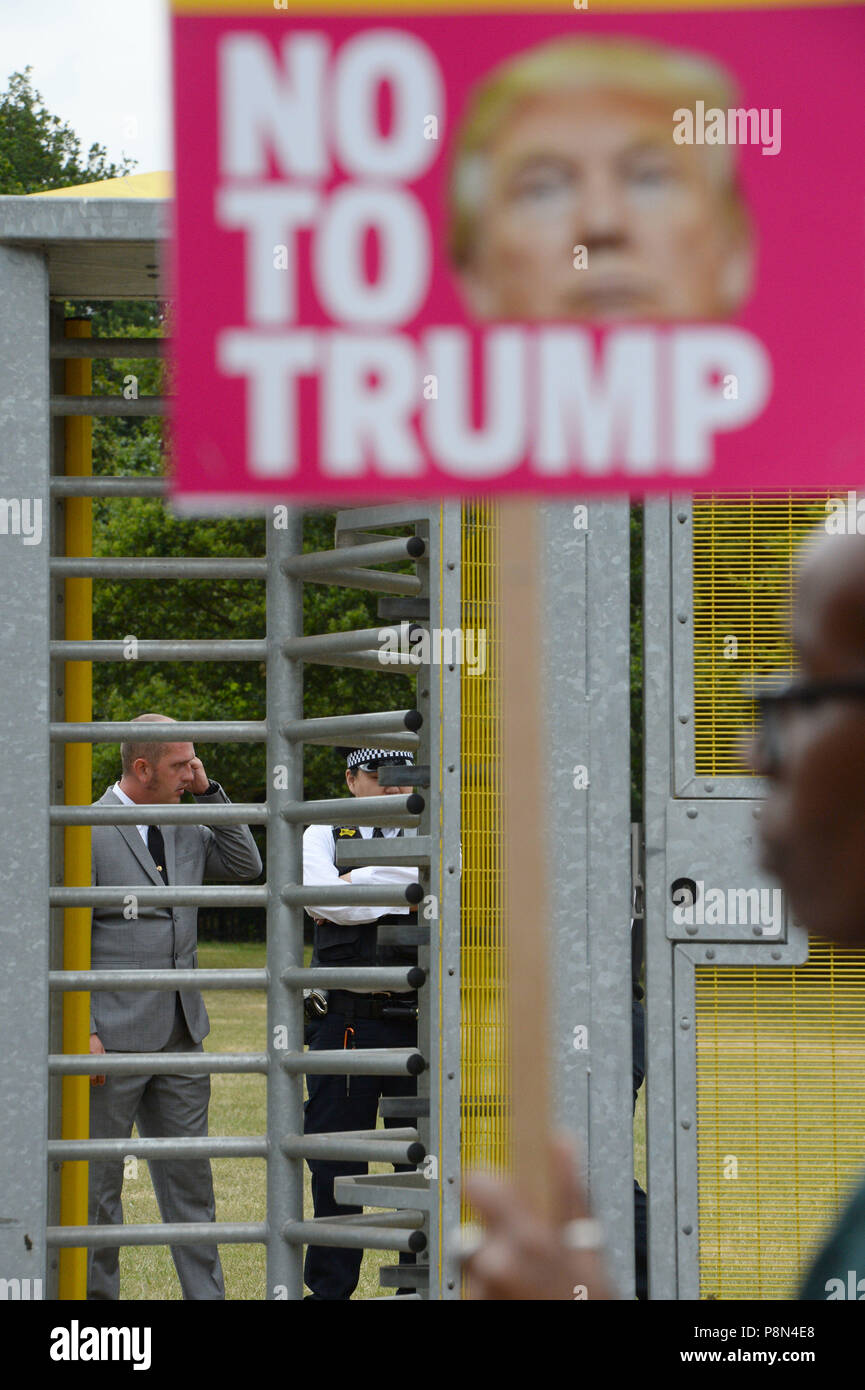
(391, 1006)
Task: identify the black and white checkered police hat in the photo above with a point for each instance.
(368, 759)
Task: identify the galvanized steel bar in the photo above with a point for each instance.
(367, 1061)
(132, 222)
(353, 729)
(108, 486)
(239, 813)
(587, 584)
(144, 406)
(404, 1276)
(361, 650)
(401, 1219)
(377, 810)
(375, 581)
(180, 1233)
(404, 1107)
(402, 849)
(133, 348)
(64, 980)
(156, 1063)
(408, 1134)
(57, 835)
(366, 661)
(154, 567)
(348, 1148)
(444, 997)
(324, 562)
(182, 730)
(390, 934)
(159, 651)
(413, 1189)
(351, 895)
(366, 977)
(285, 1022)
(213, 1146)
(398, 723)
(351, 522)
(325, 644)
(182, 895)
(686, 1130)
(661, 1021)
(25, 692)
(352, 1236)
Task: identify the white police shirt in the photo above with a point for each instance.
(319, 866)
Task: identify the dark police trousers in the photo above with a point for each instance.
(331, 1272)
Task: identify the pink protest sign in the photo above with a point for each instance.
(438, 254)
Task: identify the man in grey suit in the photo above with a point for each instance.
(156, 938)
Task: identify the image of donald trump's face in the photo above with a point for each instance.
(571, 200)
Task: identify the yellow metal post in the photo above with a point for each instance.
(76, 846)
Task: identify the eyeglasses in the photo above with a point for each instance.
(374, 766)
(774, 698)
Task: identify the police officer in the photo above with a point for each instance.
(346, 936)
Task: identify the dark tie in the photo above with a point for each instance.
(156, 846)
(378, 833)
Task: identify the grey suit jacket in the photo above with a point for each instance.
(156, 938)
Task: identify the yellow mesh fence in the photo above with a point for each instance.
(483, 980)
(780, 1050)
(780, 1094)
(744, 564)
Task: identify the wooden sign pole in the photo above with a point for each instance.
(525, 782)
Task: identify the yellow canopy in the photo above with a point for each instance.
(157, 185)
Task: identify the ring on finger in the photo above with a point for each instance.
(470, 1241)
(584, 1234)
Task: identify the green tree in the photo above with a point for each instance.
(39, 151)
(218, 609)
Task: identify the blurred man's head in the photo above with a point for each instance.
(813, 822)
(572, 145)
(156, 771)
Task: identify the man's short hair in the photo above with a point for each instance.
(152, 751)
(637, 67)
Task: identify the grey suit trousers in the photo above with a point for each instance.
(161, 1107)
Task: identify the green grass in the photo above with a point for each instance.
(237, 1107)
(640, 1138)
(788, 1111)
